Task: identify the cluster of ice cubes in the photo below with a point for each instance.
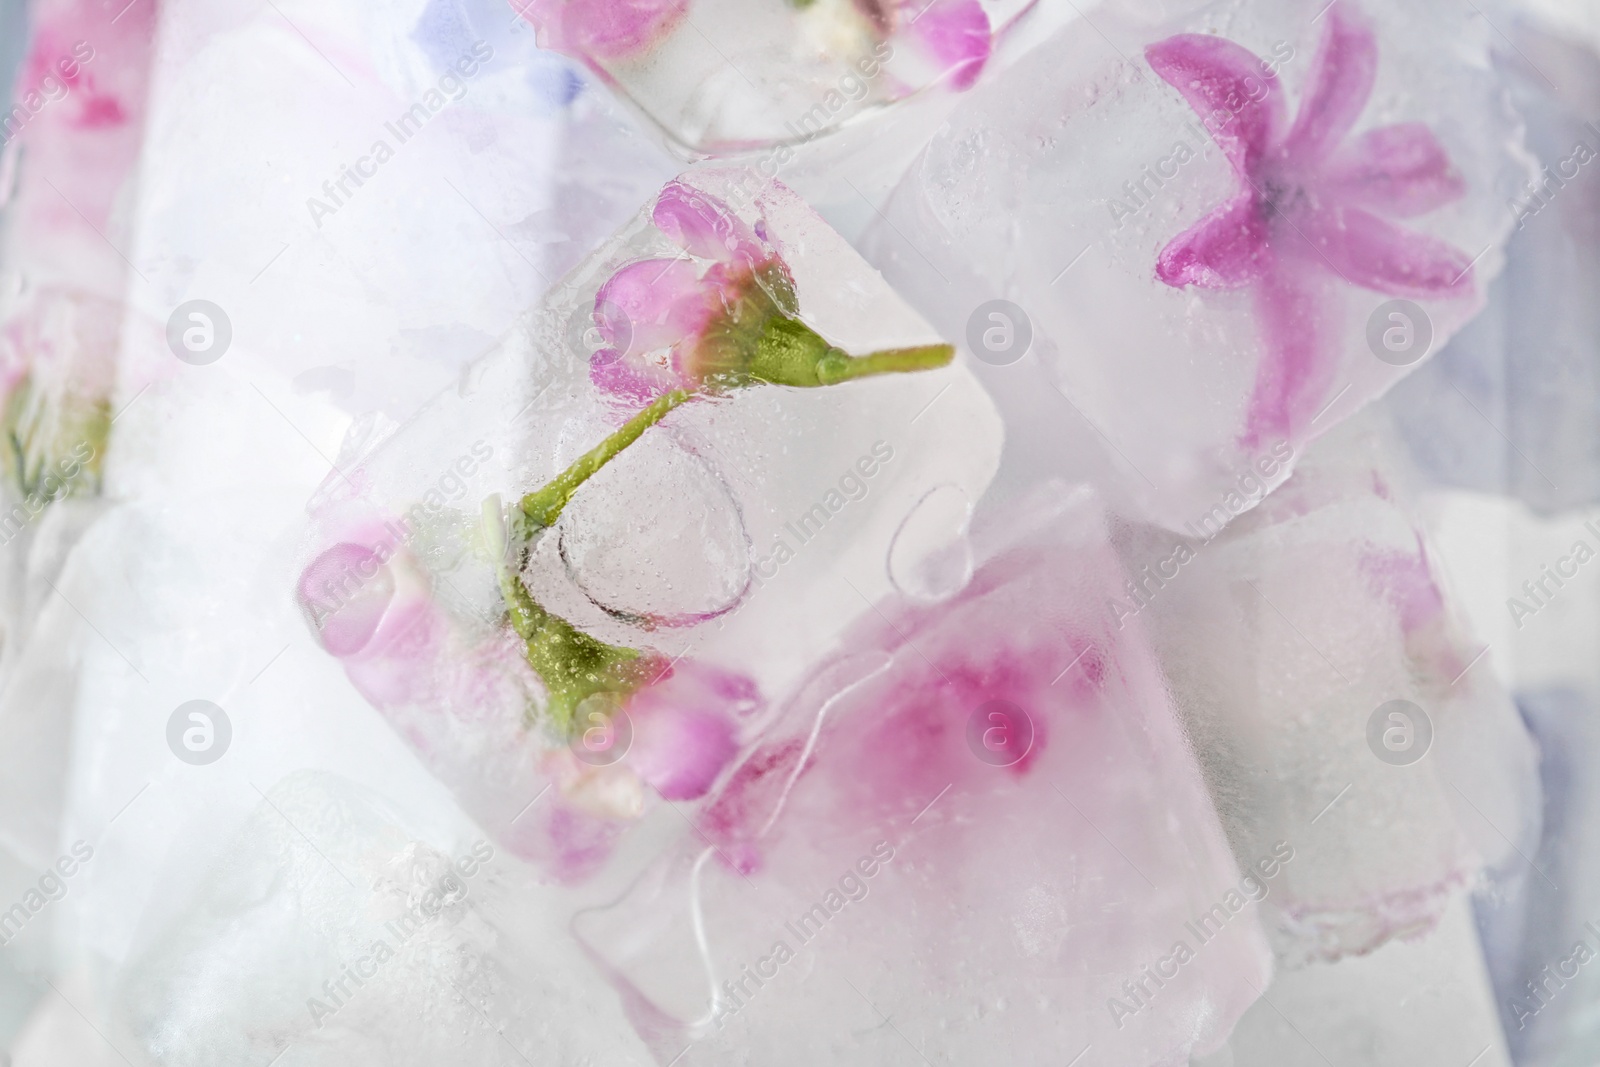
(802, 531)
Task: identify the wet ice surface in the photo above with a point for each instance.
(1337, 702)
(740, 535)
(329, 935)
(1425, 1001)
(823, 845)
(899, 870)
(719, 76)
(1063, 211)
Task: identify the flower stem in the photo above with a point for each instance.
(837, 367)
(791, 353)
(572, 664)
(542, 507)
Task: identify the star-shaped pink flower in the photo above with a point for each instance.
(1311, 207)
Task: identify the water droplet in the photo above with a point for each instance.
(930, 558)
(657, 538)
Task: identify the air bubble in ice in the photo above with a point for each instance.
(658, 538)
(930, 558)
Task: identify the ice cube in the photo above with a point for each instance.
(330, 934)
(1338, 703)
(458, 137)
(1177, 229)
(977, 835)
(730, 542)
(70, 162)
(1409, 1002)
(719, 76)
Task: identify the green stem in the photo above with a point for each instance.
(837, 367)
(789, 352)
(572, 664)
(542, 507)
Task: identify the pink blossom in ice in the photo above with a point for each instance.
(1314, 204)
(601, 29)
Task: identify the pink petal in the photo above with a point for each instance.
(651, 304)
(704, 226)
(1235, 94)
(1298, 361)
(1374, 254)
(627, 380)
(1408, 583)
(1336, 93)
(1224, 250)
(344, 593)
(1399, 171)
(955, 33)
(683, 729)
(401, 666)
(601, 29)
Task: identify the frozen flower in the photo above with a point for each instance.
(952, 38)
(602, 29)
(370, 604)
(951, 761)
(57, 370)
(953, 35)
(722, 315)
(1313, 203)
(673, 722)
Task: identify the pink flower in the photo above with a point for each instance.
(1309, 206)
(679, 323)
(954, 35)
(371, 606)
(720, 316)
(950, 761)
(601, 29)
(684, 730)
(681, 730)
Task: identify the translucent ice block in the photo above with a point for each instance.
(727, 545)
(1202, 230)
(493, 165)
(977, 835)
(1410, 1002)
(719, 75)
(72, 131)
(1338, 703)
(72, 140)
(330, 935)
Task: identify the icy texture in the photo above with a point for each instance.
(1511, 404)
(801, 592)
(1198, 298)
(887, 879)
(734, 538)
(66, 174)
(452, 134)
(71, 128)
(723, 75)
(1283, 636)
(1423, 1002)
(329, 935)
